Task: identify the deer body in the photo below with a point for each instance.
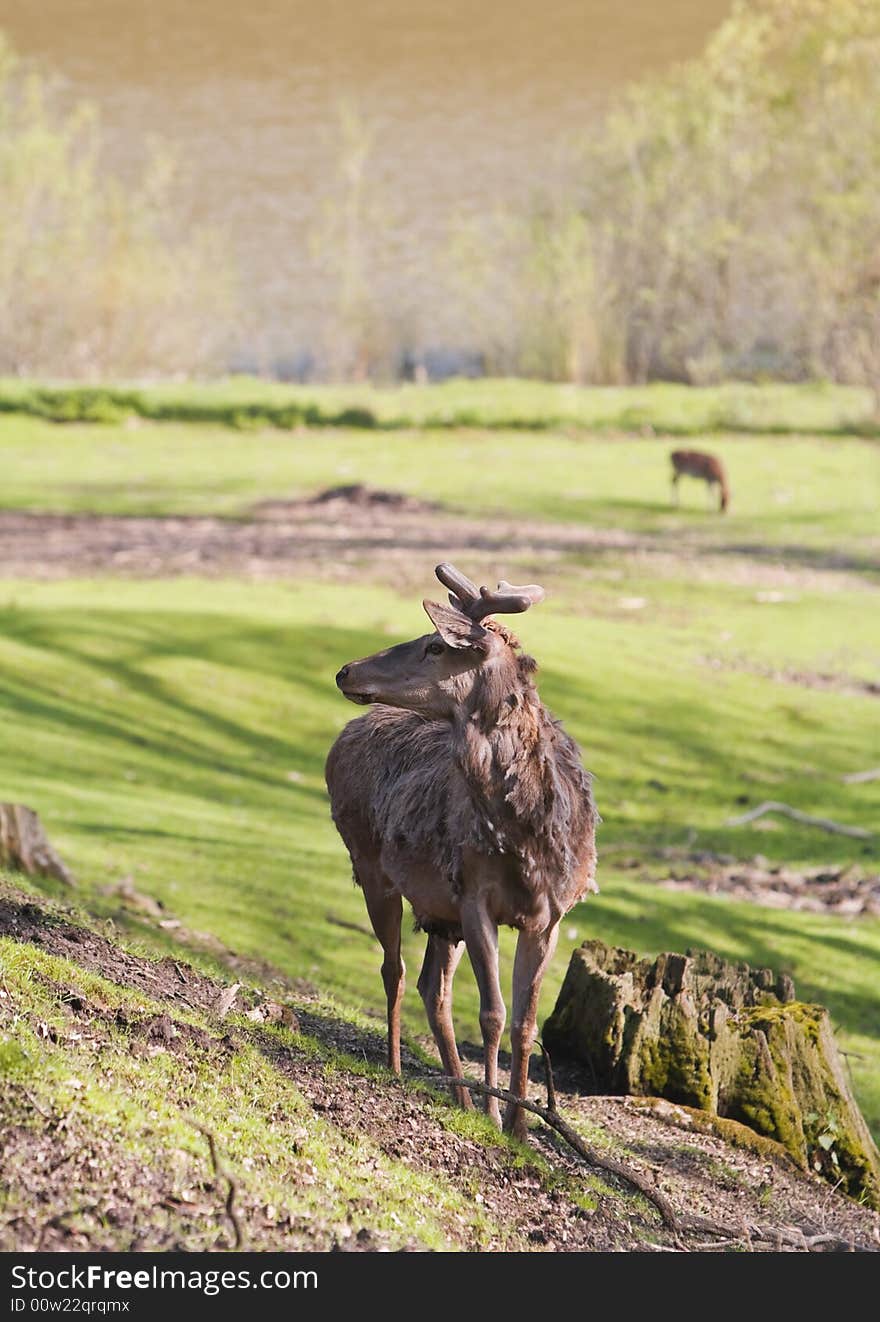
(459, 793)
(696, 463)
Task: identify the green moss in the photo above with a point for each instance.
(15, 1062)
(770, 1015)
(675, 1064)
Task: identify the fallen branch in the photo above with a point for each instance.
(574, 1140)
(779, 1236)
(824, 823)
(222, 1173)
(859, 777)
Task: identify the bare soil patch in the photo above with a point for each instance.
(51, 1155)
(847, 890)
(354, 530)
(808, 679)
(330, 537)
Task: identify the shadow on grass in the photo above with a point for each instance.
(146, 714)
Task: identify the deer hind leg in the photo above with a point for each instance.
(534, 950)
(481, 939)
(435, 989)
(676, 494)
(386, 914)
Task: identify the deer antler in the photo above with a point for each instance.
(478, 603)
(462, 592)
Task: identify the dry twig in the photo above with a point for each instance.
(824, 823)
(222, 1173)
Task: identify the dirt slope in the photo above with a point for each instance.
(86, 1161)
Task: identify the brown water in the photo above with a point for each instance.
(469, 106)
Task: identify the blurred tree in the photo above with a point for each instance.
(735, 203)
(723, 220)
(97, 278)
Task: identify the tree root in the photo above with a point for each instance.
(779, 1236)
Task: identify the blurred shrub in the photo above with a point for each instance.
(97, 278)
(725, 222)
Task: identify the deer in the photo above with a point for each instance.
(461, 794)
(696, 463)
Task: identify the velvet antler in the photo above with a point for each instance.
(477, 603)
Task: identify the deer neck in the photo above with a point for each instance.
(500, 746)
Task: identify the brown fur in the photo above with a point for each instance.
(504, 778)
(459, 792)
(696, 463)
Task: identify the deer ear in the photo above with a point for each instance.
(454, 628)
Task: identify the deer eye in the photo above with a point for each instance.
(436, 649)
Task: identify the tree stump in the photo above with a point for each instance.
(24, 846)
(723, 1038)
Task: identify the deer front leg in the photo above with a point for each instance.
(386, 914)
(481, 939)
(534, 950)
(435, 988)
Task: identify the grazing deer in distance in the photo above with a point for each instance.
(459, 792)
(696, 463)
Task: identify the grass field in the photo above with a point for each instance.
(175, 731)
(812, 496)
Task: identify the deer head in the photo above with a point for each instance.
(436, 675)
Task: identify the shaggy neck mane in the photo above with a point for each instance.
(523, 771)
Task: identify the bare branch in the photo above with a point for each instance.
(789, 1236)
(860, 777)
(574, 1140)
(222, 1173)
(824, 823)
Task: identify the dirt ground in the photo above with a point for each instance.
(346, 531)
(762, 1200)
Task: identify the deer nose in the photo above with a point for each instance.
(342, 675)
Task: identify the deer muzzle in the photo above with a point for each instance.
(347, 683)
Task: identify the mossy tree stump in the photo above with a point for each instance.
(723, 1038)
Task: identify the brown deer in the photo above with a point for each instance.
(460, 793)
(696, 463)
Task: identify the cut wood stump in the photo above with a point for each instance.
(24, 846)
(721, 1037)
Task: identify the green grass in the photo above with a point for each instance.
(246, 402)
(808, 495)
(144, 1110)
(177, 733)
